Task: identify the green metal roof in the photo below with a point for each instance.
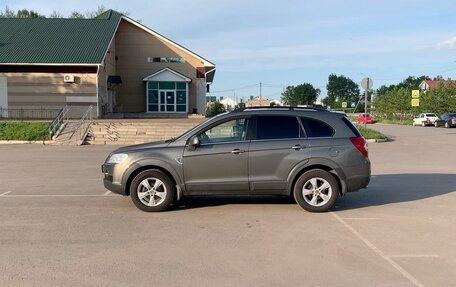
(56, 41)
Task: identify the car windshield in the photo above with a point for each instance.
(430, 115)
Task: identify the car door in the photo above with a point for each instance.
(218, 165)
(277, 147)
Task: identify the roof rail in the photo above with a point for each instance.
(281, 108)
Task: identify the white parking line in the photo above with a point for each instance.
(107, 192)
(379, 252)
(5, 193)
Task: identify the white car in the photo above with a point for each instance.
(425, 119)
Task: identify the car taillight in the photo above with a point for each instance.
(361, 144)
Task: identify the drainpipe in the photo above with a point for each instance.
(98, 99)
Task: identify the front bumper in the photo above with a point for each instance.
(109, 184)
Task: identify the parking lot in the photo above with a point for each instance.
(60, 227)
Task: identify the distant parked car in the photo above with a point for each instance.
(365, 118)
(425, 119)
(447, 120)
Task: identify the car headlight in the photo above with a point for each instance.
(117, 158)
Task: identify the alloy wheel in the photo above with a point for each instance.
(151, 191)
(317, 191)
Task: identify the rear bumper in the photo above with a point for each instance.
(358, 182)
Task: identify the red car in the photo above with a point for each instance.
(365, 118)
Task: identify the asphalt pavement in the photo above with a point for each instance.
(60, 227)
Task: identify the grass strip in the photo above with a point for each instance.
(29, 131)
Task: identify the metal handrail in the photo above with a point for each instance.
(58, 120)
(88, 115)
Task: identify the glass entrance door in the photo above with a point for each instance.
(167, 101)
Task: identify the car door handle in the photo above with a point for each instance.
(237, 151)
(297, 147)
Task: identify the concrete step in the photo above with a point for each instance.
(126, 132)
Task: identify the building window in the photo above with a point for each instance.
(165, 60)
(167, 96)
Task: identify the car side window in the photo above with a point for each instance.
(316, 129)
(277, 127)
(230, 131)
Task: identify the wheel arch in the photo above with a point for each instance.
(138, 168)
(325, 165)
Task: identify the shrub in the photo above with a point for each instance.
(214, 108)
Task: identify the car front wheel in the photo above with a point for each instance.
(152, 191)
(316, 190)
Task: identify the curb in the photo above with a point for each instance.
(24, 142)
(378, 140)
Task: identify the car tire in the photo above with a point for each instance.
(152, 191)
(447, 125)
(316, 190)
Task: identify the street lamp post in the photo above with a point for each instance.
(366, 83)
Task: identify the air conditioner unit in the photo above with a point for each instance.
(68, 78)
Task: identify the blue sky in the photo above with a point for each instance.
(288, 42)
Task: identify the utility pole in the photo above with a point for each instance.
(235, 103)
(260, 94)
(366, 83)
(365, 102)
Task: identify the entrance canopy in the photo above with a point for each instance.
(167, 75)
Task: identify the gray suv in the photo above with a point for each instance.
(311, 154)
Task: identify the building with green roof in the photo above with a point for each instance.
(110, 62)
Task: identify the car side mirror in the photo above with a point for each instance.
(193, 143)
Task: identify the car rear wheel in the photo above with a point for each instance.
(152, 191)
(316, 190)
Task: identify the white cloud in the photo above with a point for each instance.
(448, 44)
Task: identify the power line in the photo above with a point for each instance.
(235, 89)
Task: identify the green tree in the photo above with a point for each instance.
(21, 13)
(56, 14)
(25, 13)
(410, 82)
(76, 15)
(214, 108)
(394, 104)
(341, 89)
(304, 94)
(439, 100)
(7, 13)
